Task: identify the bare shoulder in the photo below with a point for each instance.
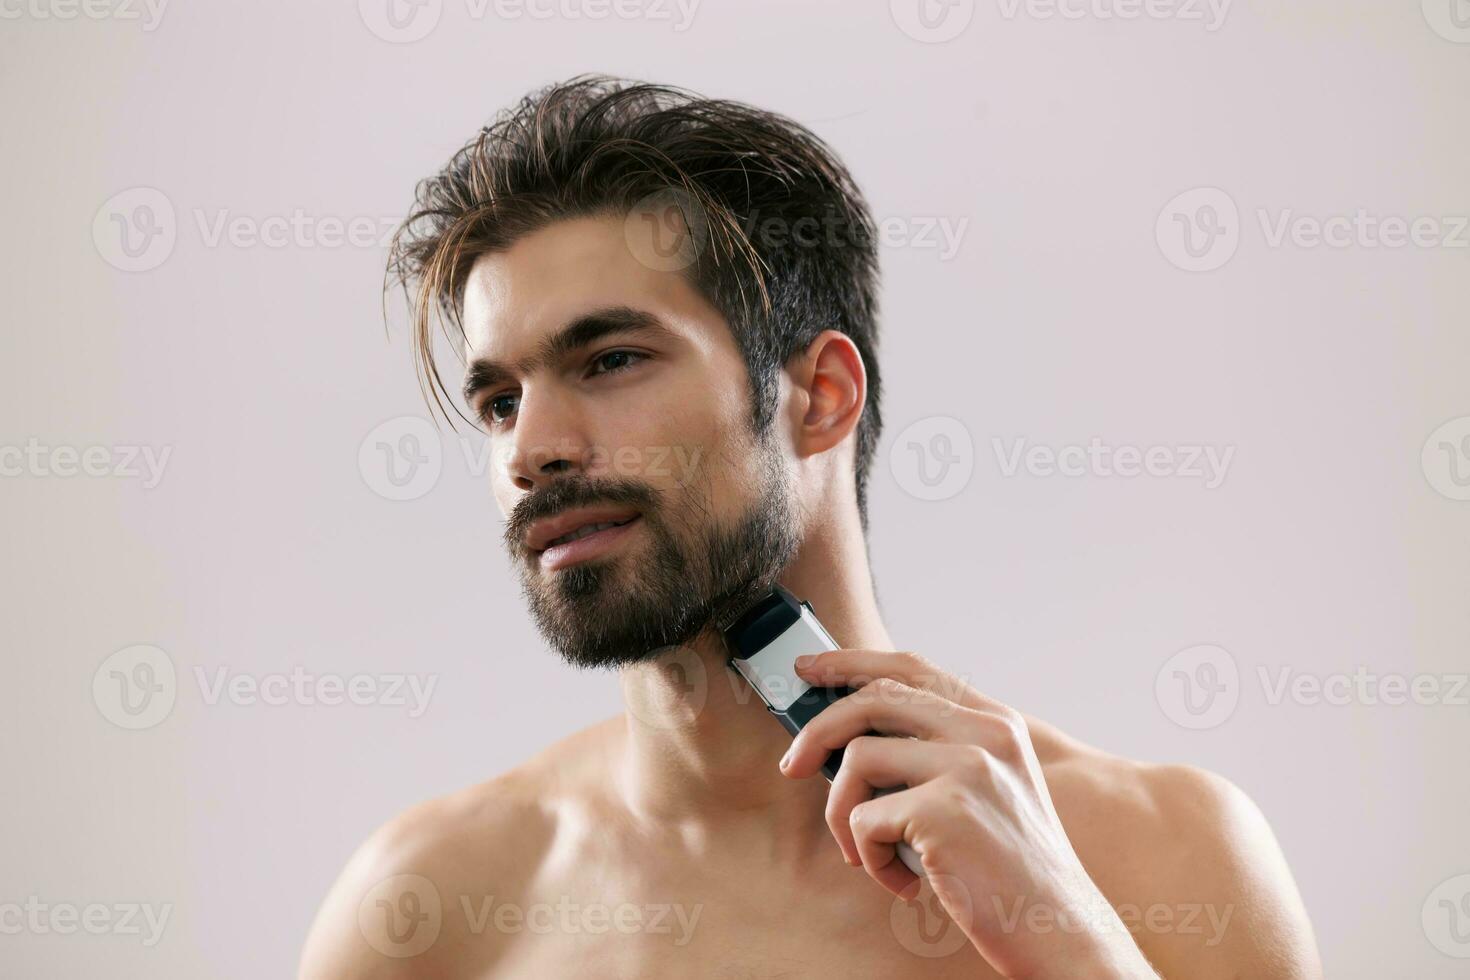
(408, 901)
(1186, 857)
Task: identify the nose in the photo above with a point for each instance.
(550, 441)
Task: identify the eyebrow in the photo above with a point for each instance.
(586, 329)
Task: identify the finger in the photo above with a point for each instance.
(854, 668)
(885, 706)
(871, 763)
(877, 826)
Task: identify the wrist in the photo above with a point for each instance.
(1096, 945)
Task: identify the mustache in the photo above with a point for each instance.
(573, 491)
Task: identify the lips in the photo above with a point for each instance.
(572, 525)
(583, 531)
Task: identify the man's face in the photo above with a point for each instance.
(641, 506)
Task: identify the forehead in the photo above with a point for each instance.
(515, 297)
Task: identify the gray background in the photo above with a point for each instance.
(269, 543)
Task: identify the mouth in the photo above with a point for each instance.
(579, 535)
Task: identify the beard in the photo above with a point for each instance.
(695, 573)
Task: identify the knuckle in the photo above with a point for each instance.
(858, 750)
(914, 662)
(976, 762)
(1007, 733)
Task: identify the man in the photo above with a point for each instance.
(667, 307)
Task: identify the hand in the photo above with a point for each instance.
(976, 809)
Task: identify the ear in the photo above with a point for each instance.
(830, 375)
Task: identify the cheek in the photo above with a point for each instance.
(664, 450)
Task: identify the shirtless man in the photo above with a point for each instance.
(668, 310)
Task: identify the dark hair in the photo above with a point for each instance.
(746, 181)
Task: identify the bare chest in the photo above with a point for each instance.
(854, 931)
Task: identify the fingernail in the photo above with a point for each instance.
(786, 759)
(805, 660)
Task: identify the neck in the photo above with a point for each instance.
(701, 750)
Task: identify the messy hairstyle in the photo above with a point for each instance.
(785, 243)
